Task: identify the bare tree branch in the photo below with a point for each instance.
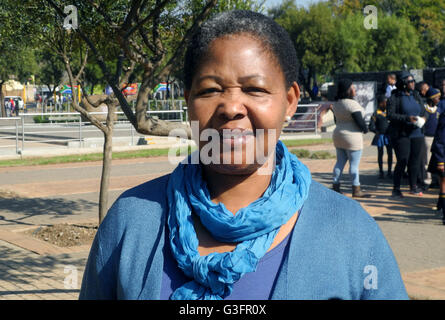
(155, 11)
(198, 21)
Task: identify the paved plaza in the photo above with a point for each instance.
(68, 193)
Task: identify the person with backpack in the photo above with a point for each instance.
(379, 125)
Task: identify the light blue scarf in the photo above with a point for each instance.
(254, 226)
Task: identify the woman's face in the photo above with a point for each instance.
(352, 91)
(410, 83)
(238, 90)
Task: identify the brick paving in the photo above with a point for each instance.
(32, 269)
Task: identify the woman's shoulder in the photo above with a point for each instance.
(139, 207)
(330, 210)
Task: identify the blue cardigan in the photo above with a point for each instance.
(337, 250)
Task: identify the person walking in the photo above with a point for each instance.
(406, 115)
(348, 136)
(8, 108)
(379, 125)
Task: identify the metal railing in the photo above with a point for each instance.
(64, 127)
(72, 128)
(16, 119)
(304, 121)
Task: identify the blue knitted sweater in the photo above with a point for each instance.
(336, 250)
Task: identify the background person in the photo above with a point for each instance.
(348, 135)
(422, 87)
(406, 115)
(436, 164)
(390, 84)
(432, 117)
(379, 125)
(442, 90)
(230, 230)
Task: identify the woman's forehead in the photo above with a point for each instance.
(240, 51)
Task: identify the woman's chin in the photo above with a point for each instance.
(234, 169)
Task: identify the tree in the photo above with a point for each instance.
(51, 69)
(314, 34)
(393, 44)
(426, 16)
(142, 40)
(331, 36)
(15, 59)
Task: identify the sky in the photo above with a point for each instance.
(273, 3)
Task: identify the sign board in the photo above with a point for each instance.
(417, 74)
(366, 96)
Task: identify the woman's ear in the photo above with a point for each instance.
(293, 96)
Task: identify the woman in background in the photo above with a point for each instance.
(379, 125)
(406, 114)
(348, 136)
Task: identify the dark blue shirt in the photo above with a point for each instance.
(256, 285)
(410, 107)
(431, 122)
(441, 106)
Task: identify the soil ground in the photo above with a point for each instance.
(65, 235)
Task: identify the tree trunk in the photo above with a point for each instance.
(106, 169)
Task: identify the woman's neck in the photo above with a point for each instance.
(235, 191)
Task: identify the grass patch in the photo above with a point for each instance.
(145, 153)
(305, 142)
(322, 155)
(303, 153)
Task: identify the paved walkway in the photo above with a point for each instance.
(34, 269)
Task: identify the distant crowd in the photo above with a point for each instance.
(409, 120)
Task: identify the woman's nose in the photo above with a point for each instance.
(231, 107)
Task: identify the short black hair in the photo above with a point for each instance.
(381, 98)
(275, 39)
(343, 87)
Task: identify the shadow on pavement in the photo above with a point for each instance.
(410, 209)
(23, 208)
(21, 272)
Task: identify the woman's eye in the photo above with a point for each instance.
(254, 90)
(207, 91)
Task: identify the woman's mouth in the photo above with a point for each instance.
(236, 137)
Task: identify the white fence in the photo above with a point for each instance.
(62, 127)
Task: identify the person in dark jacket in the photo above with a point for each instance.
(432, 116)
(379, 125)
(436, 163)
(406, 114)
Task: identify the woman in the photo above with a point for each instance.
(348, 135)
(232, 229)
(406, 115)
